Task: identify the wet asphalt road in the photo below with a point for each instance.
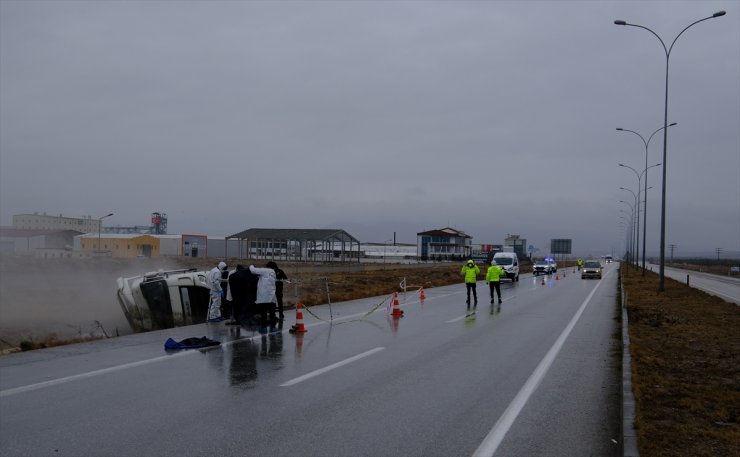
(539, 376)
(724, 287)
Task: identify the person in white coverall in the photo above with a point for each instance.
(265, 296)
(214, 283)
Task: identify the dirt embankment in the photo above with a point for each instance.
(66, 298)
(685, 347)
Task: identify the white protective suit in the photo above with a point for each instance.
(265, 285)
(214, 283)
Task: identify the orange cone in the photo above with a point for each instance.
(421, 294)
(298, 327)
(557, 277)
(396, 307)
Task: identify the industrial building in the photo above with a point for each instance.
(296, 245)
(47, 236)
(443, 244)
(43, 221)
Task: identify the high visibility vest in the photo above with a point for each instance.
(494, 273)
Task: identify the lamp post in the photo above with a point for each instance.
(637, 204)
(629, 232)
(100, 225)
(644, 202)
(623, 224)
(661, 281)
(632, 226)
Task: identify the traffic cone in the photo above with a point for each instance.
(421, 295)
(543, 280)
(397, 311)
(298, 327)
(557, 277)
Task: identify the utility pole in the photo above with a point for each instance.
(718, 251)
(672, 246)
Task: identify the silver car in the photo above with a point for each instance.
(591, 269)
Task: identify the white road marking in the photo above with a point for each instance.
(113, 369)
(457, 319)
(333, 366)
(494, 438)
(89, 374)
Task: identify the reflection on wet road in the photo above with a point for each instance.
(432, 382)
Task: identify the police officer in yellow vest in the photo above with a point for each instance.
(580, 264)
(493, 278)
(470, 271)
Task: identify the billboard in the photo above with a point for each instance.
(560, 245)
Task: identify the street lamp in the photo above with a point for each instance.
(661, 281)
(100, 225)
(632, 226)
(637, 202)
(644, 203)
(637, 206)
(629, 234)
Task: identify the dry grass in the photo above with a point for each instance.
(52, 341)
(686, 368)
(343, 286)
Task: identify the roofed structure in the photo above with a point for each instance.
(20, 240)
(314, 245)
(444, 244)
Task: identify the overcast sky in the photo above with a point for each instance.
(374, 117)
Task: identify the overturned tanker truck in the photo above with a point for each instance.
(164, 299)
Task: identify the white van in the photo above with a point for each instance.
(509, 262)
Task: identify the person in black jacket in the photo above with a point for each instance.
(280, 278)
(243, 288)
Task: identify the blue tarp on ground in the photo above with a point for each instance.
(189, 343)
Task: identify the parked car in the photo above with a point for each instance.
(591, 269)
(509, 262)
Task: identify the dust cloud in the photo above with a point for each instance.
(64, 298)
